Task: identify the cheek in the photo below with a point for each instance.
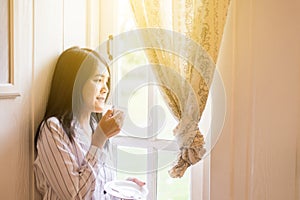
(88, 94)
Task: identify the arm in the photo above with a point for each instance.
(59, 164)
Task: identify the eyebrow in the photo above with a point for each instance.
(101, 75)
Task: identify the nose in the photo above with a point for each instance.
(104, 89)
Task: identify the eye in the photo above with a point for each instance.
(98, 80)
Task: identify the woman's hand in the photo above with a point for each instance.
(109, 126)
(111, 122)
(137, 181)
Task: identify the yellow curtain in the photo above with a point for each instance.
(185, 75)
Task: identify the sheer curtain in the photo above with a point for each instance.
(193, 31)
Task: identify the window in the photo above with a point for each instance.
(145, 148)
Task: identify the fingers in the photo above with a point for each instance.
(137, 181)
(119, 117)
(111, 122)
(108, 114)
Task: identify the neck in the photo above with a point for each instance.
(84, 122)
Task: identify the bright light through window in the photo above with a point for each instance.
(150, 160)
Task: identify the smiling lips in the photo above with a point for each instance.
(100, 98)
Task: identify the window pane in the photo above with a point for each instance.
(171, 188)
(166, 132)
(131, 160)
(131, 95)
(125, 19)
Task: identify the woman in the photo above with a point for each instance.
(72, 140)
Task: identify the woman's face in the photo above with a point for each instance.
(95, 90)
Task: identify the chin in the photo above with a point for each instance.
(98, 110)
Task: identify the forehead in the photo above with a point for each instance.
(101, 70)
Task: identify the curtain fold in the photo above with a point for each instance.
(185, 75)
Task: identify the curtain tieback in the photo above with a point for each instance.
(191, 143)
(185, 132)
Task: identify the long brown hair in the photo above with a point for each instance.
(73, 68)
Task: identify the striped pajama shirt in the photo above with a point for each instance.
(65, 170)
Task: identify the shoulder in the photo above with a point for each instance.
(52, 123)
(52, 126)
(52, 133)
(52, 137)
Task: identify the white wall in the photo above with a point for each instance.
(58, 25)
(15, 113)
(42, 30)
(256, 155)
